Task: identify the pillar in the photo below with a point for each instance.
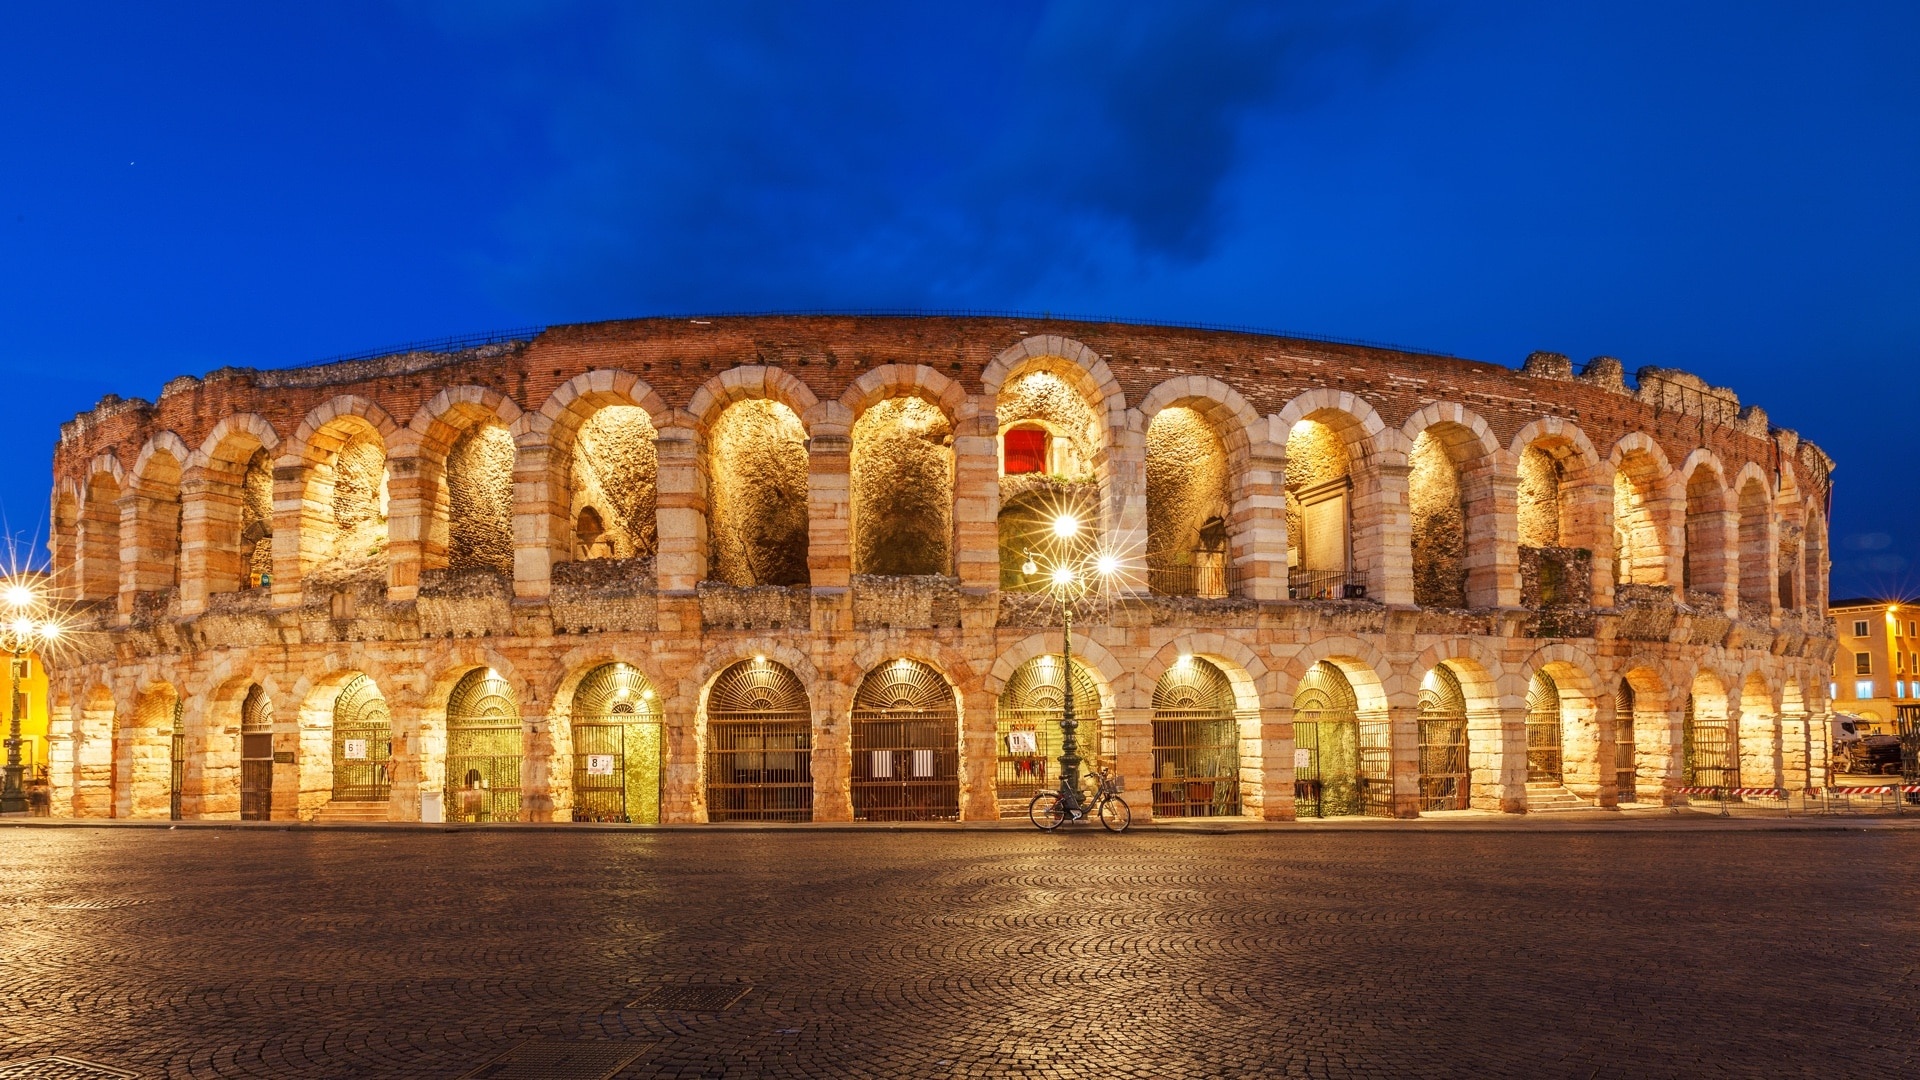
(1403, 733)
(976, 498)
(1276, 763)
(979, 755)
(1383, 534)
(832, 753)
(540, 519)
(1133, 759)
(1259, 524)
(681, 510)
(412, 484)
(302, 532)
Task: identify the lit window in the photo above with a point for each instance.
(1026, 450)
(1863, 690)
(1911, 632)
(1859, 628)
(1899, 688)
(1833, 690)
(1862, 663)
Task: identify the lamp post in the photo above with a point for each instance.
(27, 627)
(1072, 576)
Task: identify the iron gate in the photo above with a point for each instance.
(906, 749)
(1625, 773)
(1196, 742)
(759, 745)
(256, 756)
(176, 762)
(1326, 741)
(1445, 777)
(362, 743)
(1030, 708)
(1705, 745)
(1543, 730)
(616, 747)
(483, 749)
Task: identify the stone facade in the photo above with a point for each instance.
(508, 532)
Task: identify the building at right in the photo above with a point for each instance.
(1876, 662)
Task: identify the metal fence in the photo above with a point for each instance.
(759, 745)
(1204, 581)
(906, 751)
(362, 743)
(1326, 585)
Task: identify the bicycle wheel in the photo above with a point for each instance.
(1045, 811)
(1115, 815)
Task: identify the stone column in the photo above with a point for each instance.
(539, 770)
(1133, 759)
(1795, 753)
(1276, 763)
(1493, 569)
(1403, 731)
(976, 499)
(1593, 507)
(1605, 783)
(140, 565)
(1259, 524)
(1126, 498)
(1668, 749)
(979, 755)
(412, 482)
(682, 799)
(832, 753)
(303, 529)
(681, 509)
(205, 507)
(1383, 533)
(285, 804)
(314, 761)
(541, 518)
(829, 536)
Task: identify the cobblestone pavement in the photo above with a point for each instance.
(309, 953)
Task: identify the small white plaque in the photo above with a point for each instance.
(1022, 742)
(922, 763)
(354, 749)
(599, 764)
(1302, 759)
(883, 764)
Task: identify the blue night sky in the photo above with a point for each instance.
(1726, 188)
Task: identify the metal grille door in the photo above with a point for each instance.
(1543, 730)
(1326, 740)
(1706, 742)
(1196, 743)
(256, 756)
(1625, 775)
(1030, 709)
(176, 763)
(616, 747)
(1445, 780)
(759, 745)
(906, 745)
(483, 749)
(362, 743)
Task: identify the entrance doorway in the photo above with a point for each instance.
(483, 749)
(1196, 742)
(759, 745)
(616, 747)
(1028, 735)
(1326, 741)
(1444, 776)
(906, 750)
(256, 756)
(362, 743)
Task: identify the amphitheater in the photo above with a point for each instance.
(794, 568)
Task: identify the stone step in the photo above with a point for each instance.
(1547, 797)
(351, 811)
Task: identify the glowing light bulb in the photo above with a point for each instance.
(1066, 525)
(49, 630)
(1107, 564)
(1029, 568)
(19, 596)
(23, 627)
(1063, 576)
(759, 659)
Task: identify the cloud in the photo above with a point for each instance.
(753, 155)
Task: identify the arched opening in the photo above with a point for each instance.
(256, 522)
(1049, 439)
(1319, 514)
(1196, 742)
(759, 744)
(1815, 572)
(616, 746)
(1328, 779)
(256, 755)
(1758, 736)
(614, 485)
(1544, 735)
(1704, 568)
(93, 755)
(1446, 765)
(1558, 522)
(1756, 549)
(156, 524)
(1188, 504)
(483, 748)
(1796, 738)
(1437, 500)
(345, 507)
(143, 756)
(1626, 781)
(362, 744)
(1707, 746)
(100, 538)
(902, 479)
(1792, 537)
(477, 530)
(757, 495)
(1028, 718)
(906, 751)
(1541, 481)
(1639, 551)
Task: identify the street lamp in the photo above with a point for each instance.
(1073, 574)
(29, 626)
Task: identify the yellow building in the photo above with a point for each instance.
(1877, 664)
(33, 717)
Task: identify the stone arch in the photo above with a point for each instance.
(1342, 735)
(1642, 692)
(1564, 507)
(98, 574)
(150, 523)
(1754, 540)
(318, 760)
(340, 455)
(142, 757)
(1243, 667)
(1205, 740)
(906, 730)
(591, 452)
(95, 733)
(756, 462)
(619, 727)
(1452, 459)
(1084, 367)
(1198, 436)
(1359, 661)
(755, 728)
(1707, 566)
(227, 510)
(1112, 676)
(1489, 692)
(1334, 507)
(1577, 758)
(1758, 733)
(1644, 541)
(901, 470)
(751, 382)
(461, 502)
(1709, 732)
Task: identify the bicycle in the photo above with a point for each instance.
(1049, 810)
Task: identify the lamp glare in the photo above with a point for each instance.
(1066, 525)
(19, 596)
(1107, 564)
(1063, 576)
